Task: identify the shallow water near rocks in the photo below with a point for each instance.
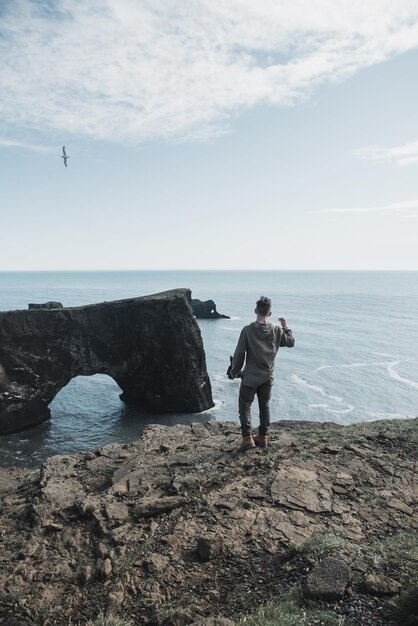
(355, 357)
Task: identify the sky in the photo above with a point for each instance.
(221, 134)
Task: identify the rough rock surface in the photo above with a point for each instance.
(329, 579)
(119, 527)
(46, 305)
(381, 585)
(151, 346)
(207, 310)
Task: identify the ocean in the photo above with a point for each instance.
(355, 357)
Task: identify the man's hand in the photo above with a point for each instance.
(283, 322)
(229, 371)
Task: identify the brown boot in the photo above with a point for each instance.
(246, 444)
(261, 441)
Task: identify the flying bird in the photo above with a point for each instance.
(64, 156)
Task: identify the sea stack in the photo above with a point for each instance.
(151, 346)
(206, 310)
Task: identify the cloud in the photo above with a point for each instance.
(130, 70)
(10, 143)
(396, 207)
(406, 154)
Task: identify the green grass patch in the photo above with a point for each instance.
(397, 553)
(323, 544)
(404, 428)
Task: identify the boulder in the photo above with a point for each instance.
(328, 580)
(151, 346)
(376, 585)
(206, 310)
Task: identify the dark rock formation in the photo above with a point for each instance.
(206, 310)
(47, 305)
(151, 346)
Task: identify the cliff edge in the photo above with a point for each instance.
(174, 528)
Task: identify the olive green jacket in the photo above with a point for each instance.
(258, 345)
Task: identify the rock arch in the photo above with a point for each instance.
(151, 346)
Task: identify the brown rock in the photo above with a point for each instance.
(156, 563)
(104, 568)
(381, 585)
(85, 507)
(328, 580)
(114, 600)
(330, 449)
(155, 506)
(341, 491)
(102, 550)
(121, 533)
(107, 568)
(300, 487)
(208, 548)
(117, 512)
(256, 494)
(400, 506)
(86, 575)
(344, 480)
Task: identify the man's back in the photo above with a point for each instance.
(260, 343)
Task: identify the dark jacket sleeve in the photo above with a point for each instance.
(239, 354)
(286, 338)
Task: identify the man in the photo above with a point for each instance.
(259, 343)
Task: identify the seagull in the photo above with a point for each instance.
(64, 156)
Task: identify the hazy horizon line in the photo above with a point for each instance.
(183, 269)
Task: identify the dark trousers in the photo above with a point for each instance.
(246, 398)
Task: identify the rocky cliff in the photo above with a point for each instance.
(151, 346)
(174, 529)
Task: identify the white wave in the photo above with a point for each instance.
(338, 399)
(304, 383)
(386, 415)
(220, 378)
(394, 374)
(318, 406)
(348, 366)
(234, 317)
(218, 404)
(389, 356)
(349, 408)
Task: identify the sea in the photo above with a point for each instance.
(355, 357)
